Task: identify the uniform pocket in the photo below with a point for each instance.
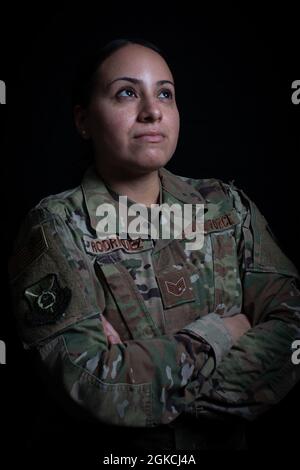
(174, 275)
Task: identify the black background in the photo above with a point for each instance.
(233, 69)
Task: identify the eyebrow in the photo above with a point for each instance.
(138, 82)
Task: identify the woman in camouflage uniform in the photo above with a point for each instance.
(146, 334)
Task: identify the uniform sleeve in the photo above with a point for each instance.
(58, 301)
(259, 371)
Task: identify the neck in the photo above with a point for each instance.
(143, 188)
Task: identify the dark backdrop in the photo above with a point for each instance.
(233, 69)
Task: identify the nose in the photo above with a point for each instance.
(149, 110)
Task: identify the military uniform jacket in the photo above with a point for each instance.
(166, 302)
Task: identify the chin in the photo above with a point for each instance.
(152, 161)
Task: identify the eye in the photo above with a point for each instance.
(126, 93)
(166, 94)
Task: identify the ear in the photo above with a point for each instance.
(81, 121)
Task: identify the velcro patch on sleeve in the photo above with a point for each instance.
(35, 246)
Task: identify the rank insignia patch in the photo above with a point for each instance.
(175, 287)
(47, 300)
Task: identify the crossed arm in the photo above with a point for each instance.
(150, 381)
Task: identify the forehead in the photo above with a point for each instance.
(135, 61)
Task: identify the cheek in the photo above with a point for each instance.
(109, 121)
(123, 119)
(174, 125)
(116, 125)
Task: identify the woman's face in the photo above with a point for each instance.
(132, 117)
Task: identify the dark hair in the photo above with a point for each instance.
(85, 79)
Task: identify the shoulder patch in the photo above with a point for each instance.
(47, 301)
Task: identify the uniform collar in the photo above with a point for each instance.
(95, 193)
(179, 189)
(173, 188)
(219, 212)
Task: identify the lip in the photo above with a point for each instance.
(150, 136)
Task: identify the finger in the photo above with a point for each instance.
(114, 339)
(109, 331)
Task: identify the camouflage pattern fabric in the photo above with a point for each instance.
(166, 302)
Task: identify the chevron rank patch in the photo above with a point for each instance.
(47, 301)
(175, 287)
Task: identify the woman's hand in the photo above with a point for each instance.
(237, 325)
(109, 331)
